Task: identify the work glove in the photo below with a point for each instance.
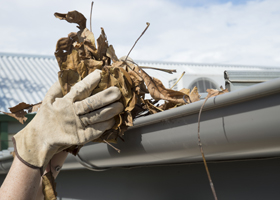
(61, 122)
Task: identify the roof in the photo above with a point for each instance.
(26, 78)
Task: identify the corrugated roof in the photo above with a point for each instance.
(26, 78)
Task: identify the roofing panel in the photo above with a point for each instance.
(26, 78)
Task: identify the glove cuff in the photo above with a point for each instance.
(23, 161)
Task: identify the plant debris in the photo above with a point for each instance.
(79, 54)
(211, 93)
(19, 111)
(49, 186)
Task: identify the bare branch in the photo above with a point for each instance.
(201, 149)
(91, 15)
(178, 80)
(148, 24)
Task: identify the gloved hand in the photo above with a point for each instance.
(61, 122)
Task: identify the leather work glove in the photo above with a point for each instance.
(61, 122)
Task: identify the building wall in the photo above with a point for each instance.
(8, 127)
(242, 180)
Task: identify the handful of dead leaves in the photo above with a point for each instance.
(78, 55)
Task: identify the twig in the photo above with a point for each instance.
(91, 14)
(148, 24)
(178, 80)
(154, 106)
(201, 150)
(170, 71)
(112, 146)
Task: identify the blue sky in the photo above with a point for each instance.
(199, 31)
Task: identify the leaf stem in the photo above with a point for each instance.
(91, 15)
(148, 24)
(178, 80)
(201, 150)
(111, 146)
(170, 71)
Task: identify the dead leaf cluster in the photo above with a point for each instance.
(78, 55)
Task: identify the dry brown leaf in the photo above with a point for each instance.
(63, 49)
(102, 45)
(111, 53)
(214, 92)
(167, 105)
(85, 44)
(132, 102)
(185, 91)
(91, 65)
(158, 91)
(82, 69)
(73, 17)
(118, 64)
(128, 119)
(67, 78)
(20, 106)
(194, 95)
(72, 60)
(86, 35)
(19, 115)
(49, 186)
(18, 112)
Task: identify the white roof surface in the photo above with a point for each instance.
(26, 78)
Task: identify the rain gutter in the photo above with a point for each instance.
(242, 124)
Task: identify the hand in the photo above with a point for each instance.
(61, 122)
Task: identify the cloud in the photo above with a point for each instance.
(245, 33)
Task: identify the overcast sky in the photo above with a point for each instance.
(200, 31)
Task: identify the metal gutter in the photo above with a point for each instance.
(238, 125)
(6, 159)
(241, 124)
(5, 164)
(239, 96)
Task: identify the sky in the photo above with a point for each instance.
(197, 31)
